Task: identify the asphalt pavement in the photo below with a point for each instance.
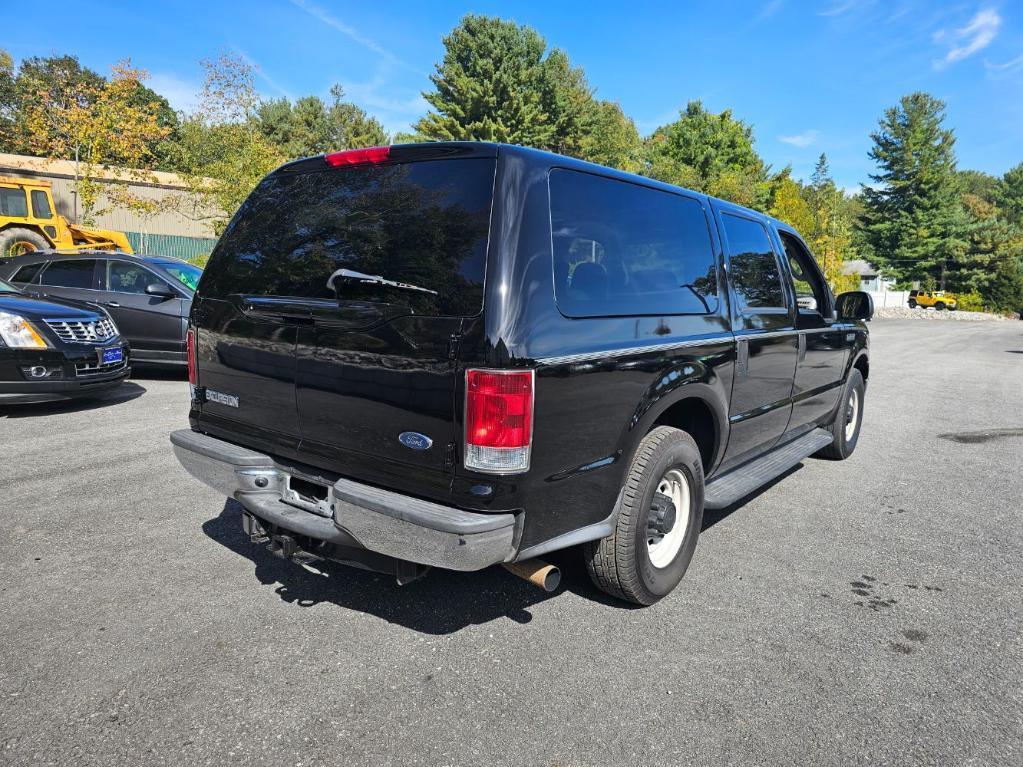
(857, 612)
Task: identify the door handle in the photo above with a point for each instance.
(802, 346)
(112, 303)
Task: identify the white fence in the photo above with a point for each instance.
(886, 298)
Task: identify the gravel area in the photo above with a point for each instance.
(864, 612)
(905, 313)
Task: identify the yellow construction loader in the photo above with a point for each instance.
(29, 221)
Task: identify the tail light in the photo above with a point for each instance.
(190, 352)
(498, 420)
(371, 155)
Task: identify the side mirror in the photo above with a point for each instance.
(160, 289)
(855, 305)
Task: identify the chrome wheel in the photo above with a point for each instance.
(852, 412)
(666, 533)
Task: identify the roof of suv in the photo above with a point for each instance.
(66, 254)
(438, 149)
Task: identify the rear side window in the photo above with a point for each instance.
(624, 249)
(27, 273)
(73, 273)
(421, 223)
(12, 202)
(755, 273)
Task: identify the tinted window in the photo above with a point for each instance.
(28, 272)
(41, 204)
(624, 249)
(420, 223)
(12, 202)
(72, 273)
(754, 268)
(126, 277)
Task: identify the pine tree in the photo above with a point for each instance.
(912, 217)
(488, 86)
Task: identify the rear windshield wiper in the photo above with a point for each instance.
(372, 279)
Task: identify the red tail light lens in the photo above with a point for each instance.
(190, 353)
(498, 420)
(358, 156)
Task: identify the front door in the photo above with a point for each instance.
(822, 345)
(152, 324)
(766, 343)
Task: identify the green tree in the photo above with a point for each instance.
(1010, 195)
(349, 127)
(310, 127)
(8, 108)
(221, 153)
(487, 88)
(610, 138)
(912, 217)
(711, 153)
(831, 226)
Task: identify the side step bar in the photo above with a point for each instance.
(725, 490)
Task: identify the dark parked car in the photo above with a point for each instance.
(463, 354)
(53, 350)
(149, 297)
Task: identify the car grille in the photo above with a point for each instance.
(98, 330)
(94, 368)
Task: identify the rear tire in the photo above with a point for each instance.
(632, 563)
(912, 303)
(17, 241)
(940, 306)
(845, 428)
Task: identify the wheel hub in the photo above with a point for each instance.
(661, 518)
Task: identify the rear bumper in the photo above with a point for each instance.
(381, 521)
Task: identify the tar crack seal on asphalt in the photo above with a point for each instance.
(977, 437)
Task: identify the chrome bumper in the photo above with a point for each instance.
(388, 523)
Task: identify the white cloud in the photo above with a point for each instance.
(335, 23)
(770, 8)
(801, 140)
(838, 8)
(1008, 66)
(966, 41)
(182, 94)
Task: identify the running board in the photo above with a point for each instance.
(725, 490)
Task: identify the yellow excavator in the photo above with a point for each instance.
(29, 221)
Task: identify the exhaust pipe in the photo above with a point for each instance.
(537, 572)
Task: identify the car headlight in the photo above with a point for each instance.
(17, 332)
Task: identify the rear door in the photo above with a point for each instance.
(74, 278)
(151, 323)
(369, 269)
(763, 320)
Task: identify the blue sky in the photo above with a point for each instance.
(810, 77)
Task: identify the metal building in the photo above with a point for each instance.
(176, 227)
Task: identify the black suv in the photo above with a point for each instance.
(54, 350)
(149, 297)
(463, 354)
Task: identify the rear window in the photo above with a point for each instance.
(76, 273)
(421, 223)
(624, 249)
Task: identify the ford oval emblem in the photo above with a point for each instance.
(414, 440)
